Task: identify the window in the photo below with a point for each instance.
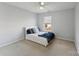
(47, 23)
(48, 26)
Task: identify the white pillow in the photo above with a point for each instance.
(36, 29)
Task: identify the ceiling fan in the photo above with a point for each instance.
(42, 5)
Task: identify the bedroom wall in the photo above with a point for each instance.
(12, 21)
(62, 23)
(77, 27)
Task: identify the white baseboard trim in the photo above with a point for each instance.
(10, 42)
(64, 38)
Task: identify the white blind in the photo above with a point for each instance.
(47, 19)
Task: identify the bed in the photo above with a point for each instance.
(36, 35)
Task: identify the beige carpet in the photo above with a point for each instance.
(26, 48)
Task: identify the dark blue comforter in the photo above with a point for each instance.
(48, 35)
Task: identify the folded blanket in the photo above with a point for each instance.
(48, 35)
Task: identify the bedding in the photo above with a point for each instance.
(30, 31)
(49, 36)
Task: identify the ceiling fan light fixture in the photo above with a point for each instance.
(42, 3)
(41, 7)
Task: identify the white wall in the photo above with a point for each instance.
(62, 23)
(12, 21)
(77, 27)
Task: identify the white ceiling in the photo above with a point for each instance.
(49, 6)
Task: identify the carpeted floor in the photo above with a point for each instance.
(58, 47)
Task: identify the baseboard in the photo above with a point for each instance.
(10, 42)
(64, 38)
